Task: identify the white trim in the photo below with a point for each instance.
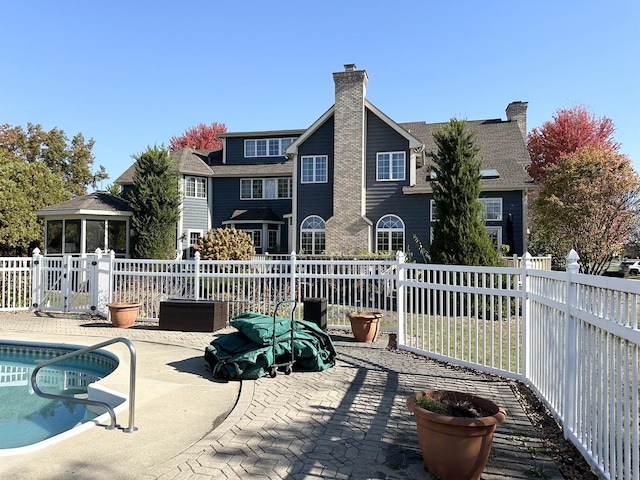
(413, 141)
(314, 160)
(506, 188)
(263, 180)
(432, 209)
(196, 180)
(484, 200)
(389, 231)
(293, 148)
(498, 230)
(313, 232)
(187, 242)
(51, 214)
(281, 151)
(390, 170)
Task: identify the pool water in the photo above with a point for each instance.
(26, 418)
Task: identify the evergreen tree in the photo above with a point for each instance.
(155, 204)
(459, 235)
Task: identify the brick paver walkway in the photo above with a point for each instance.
(348, 422)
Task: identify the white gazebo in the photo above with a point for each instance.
(83, 224)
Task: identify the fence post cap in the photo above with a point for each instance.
(572, 256)
(572, 261)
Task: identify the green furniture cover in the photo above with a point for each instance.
(251, 353)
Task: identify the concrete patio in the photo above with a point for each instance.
(347, 422)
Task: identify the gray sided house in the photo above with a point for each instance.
(355, 181)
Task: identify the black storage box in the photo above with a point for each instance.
(193, 315)
(315, 310)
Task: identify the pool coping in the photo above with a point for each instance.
(165, 372)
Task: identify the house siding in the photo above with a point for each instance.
(195, 214)
(351, 132)
(415, 212)
(316, 198)
(511, 204)
(386, 197)
(226, 199)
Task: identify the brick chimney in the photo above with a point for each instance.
(517, 112)
(347, 231)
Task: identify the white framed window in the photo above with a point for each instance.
(264, 188)
(313, 169)
(266, 147)
(433, 212)
(491, 209)
(195, 187)
(495, 233)
(272, 240)
(256, 236)
(313, 235)
(194, 236)
(284, 187)
(390, 234)
(285, 142)
(390, 166)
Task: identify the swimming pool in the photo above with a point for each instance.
(27, 419)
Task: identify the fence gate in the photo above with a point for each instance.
(63, 283)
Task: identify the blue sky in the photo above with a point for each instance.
(135, 73)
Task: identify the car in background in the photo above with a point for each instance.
(629, 267)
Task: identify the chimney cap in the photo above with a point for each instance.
(349, 67)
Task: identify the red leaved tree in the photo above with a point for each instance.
(569, 130)
(200, 137)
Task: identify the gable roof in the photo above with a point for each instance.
(96, 203)
(501, 148)
(413, 141)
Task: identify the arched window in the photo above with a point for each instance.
(390, 234)
(312, 235)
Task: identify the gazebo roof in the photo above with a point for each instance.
(96, 203)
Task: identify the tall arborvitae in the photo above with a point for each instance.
(155, 204)
(459, 234)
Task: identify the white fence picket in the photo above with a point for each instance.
(573, 338)
(15, 283)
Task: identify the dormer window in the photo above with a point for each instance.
(266, 147)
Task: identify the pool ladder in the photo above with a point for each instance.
(86, 401)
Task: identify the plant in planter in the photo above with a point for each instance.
(365, 325)
(455, 431)
(123, 314)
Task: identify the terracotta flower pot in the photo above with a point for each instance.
(455, 447)
(365, 325)
(123, 314)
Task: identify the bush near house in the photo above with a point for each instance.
(225, 244)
